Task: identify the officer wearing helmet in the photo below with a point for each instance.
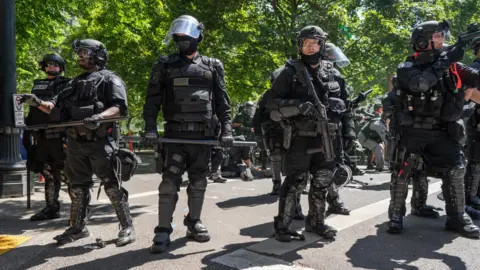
(46, 155)
(289, 100)
(472, 176)
(96, 94)
(190, 90)
(431, 87)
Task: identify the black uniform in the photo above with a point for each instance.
(431, 104)
(90, 151)
(47, 154)
(193, 98)
(472, 177)
(288, 93)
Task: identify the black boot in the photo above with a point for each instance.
(284, 233)
(78, 229)
(118, 198)
(454, 192)
(196, 230)
(46, 213)
(276, 188)
(462, 224)
(335, 204)
(395, 224)
(396, 209)
(52, 190)
(161, 241)
(320, 228)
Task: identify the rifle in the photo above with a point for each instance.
(185, 141)
(362, 96)
(473, 31)
(322, 119)
(72, 123)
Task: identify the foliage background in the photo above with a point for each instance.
(251, 37)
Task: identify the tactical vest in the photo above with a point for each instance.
(45, 89)
(87, 97)
(325, 82)
(433, 108)
(370, 133)
(188, 102)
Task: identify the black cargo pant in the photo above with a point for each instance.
(297, 165)
(217, 159)
(84, 159)
(178, 158)
(441, 154)
(50, 161)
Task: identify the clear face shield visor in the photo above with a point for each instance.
(183, 27)
(336, 56)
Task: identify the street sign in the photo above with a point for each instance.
(19, 113)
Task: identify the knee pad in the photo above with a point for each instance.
(276, 155)
(322, 179)
(199, 184)
(475, 168)
(168, 187)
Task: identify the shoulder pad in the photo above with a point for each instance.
(216, 62)
(406, 64)
(167, 59)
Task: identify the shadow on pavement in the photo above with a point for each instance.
(387, 251)
(248, 201)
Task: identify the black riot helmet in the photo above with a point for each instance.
(422, 33)
(92, 48)
(311, 32)
(476, 45)
(187, 32)
(186, 25)
(49, 58)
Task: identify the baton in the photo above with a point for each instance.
(184, 141)
(72, 123)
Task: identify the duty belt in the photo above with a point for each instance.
(53, 133)
(84, 137)
(332, 127)
(185, 127)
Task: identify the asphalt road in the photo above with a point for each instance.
(239, 216)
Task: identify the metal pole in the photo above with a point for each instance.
(12, 169)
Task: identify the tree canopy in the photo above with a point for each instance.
(252, 38)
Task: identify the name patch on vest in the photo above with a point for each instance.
(180, 82)
(40, 86)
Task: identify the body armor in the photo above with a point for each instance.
(45, 89)
(324, 79)
(433, 108)
(188, 106)
(86, 97)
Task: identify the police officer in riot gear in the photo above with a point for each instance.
(291, 99)
(47, 156)
(190, 90)
(472, 176)
(418, 175)
(96, 94)
(431, 88)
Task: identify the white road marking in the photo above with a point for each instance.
(243, 258)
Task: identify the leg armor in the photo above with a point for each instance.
(335, 204)
(454, 194)
(399, 189)
(315, 221)
(276, 161)
(289, 193)
(472, 181)
(78, 229)
(420, 193)
(119, 199)
(52, 190)
(196, 196)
